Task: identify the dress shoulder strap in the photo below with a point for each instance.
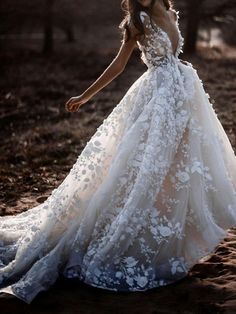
(142, 15)
(176, 13)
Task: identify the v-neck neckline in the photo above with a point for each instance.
(167, 35)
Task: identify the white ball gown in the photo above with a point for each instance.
(152, 192)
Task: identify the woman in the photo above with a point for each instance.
(152, 192)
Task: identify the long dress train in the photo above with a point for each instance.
(151, 193)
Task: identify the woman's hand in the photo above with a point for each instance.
(74, 103)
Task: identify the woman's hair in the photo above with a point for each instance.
(132, 8)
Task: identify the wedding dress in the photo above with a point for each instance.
(152, 192)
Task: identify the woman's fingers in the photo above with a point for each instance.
(73, 106)
(74, 103)
(71, 100)
(70, 104)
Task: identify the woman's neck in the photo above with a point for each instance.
(159, 9)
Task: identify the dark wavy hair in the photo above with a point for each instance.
(131, 9)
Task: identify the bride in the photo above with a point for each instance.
(152, 192)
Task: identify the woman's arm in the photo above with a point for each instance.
(115, 68)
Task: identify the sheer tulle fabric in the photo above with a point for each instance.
(152, 192)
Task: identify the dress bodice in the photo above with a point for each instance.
(156, 48)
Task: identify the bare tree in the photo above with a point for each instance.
(204, 13)
(48, 26)
(193, 23)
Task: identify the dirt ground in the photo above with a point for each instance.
(40, 142)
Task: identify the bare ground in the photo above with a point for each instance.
(40, 141)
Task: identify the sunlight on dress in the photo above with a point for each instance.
(152, 192)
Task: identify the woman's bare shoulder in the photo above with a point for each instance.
(134, 32)
(174, 13)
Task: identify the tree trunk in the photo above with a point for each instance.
(70, 36)
(193, 23)
(48, 27)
